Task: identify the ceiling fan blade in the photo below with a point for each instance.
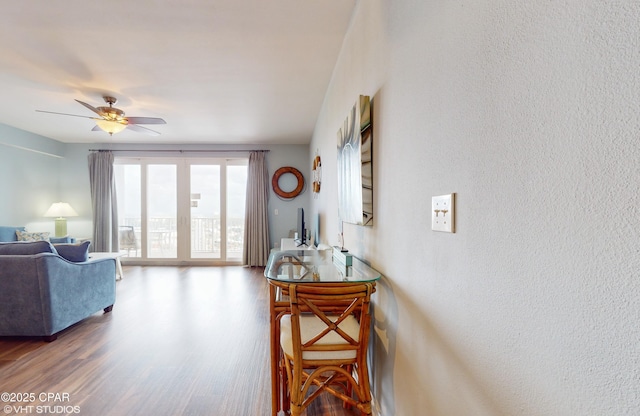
(145, 120)
(65, 114)
(141, 129)
(92, 108)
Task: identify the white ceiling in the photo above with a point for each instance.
(218, 71)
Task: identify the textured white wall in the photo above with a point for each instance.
(529, 112)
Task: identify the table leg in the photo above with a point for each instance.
(119, 273)
(275, 379)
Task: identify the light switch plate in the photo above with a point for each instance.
(443, 213)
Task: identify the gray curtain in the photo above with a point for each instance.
(104, 203)
(256, 222)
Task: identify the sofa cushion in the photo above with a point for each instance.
(9, 233)
(62, 240)
(74, 252)
(25, 236)
(26, 248)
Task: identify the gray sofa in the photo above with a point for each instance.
(42, 293)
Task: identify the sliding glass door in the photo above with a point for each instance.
(161, 217)
(181, 210)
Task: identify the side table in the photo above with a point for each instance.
(105, 255)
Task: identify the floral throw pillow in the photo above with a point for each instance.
(25, 236)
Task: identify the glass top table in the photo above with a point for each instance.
(293, 267)
(316, 266)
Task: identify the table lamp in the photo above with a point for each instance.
(59, 211)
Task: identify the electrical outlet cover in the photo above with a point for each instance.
(443, 213)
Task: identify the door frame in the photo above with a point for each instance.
(183, 208)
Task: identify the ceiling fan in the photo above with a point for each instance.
(112, 120)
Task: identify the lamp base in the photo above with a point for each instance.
(61, 227)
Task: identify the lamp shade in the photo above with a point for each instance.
(60, 210)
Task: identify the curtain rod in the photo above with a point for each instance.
(178, 150)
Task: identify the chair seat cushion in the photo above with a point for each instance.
(310, 326)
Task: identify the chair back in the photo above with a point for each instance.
(127, 238)
(330, 323)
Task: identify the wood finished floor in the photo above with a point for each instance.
(180, 341)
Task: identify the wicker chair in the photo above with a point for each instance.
(324, 343)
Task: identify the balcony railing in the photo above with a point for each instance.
(162, 241)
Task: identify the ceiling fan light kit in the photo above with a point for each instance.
(110, 127)
(112, 120)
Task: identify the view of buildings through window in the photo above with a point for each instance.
(181, 209)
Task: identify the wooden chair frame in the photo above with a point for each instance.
(345, 378)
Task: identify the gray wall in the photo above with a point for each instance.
(38, 171)
(29, 168)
